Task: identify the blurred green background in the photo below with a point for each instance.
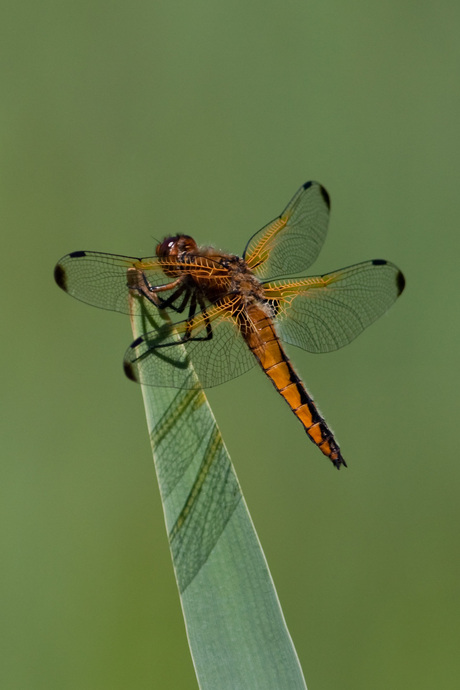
(121, 122)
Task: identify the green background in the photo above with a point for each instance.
(121, 122)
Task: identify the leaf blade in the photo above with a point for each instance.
(235, 626)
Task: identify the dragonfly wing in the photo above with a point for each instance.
(211, 341)
(291, 242)
(100, 279)
(324, 313)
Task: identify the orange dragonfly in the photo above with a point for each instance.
(239, 309)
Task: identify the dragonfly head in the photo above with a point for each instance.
(176, 246)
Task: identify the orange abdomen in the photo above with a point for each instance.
(259, 332)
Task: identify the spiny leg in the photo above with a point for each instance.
(206, 318)
(168, 303)
(137, 282)
(197, 297)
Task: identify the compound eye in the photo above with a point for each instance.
(166, 248)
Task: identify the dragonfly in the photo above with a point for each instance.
(230, 313)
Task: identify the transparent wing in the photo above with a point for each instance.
(101, 279)
(324, 313)
(291, 242)
(214, 346)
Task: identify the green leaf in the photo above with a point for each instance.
(236, 630)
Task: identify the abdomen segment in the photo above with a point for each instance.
(261, 338)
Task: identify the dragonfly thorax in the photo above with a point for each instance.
(244, 282)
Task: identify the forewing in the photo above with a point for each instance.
(162, 357)
(324, 313)
(291, 242)
(101, 279)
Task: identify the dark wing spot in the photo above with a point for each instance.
(400, 282)
(60, 277)
(137, 342)
(129, 371)
(77, 255)
(325, 195)
(379, 262)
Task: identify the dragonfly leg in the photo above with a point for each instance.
(206, 319)
(168, 303)
(197, 297)
(137, 282)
